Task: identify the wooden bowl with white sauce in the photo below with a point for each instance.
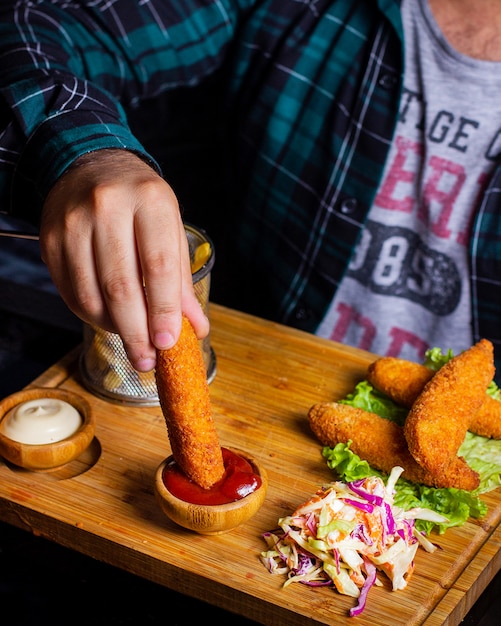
(44, 428)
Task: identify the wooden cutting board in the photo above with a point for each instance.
(267, 378)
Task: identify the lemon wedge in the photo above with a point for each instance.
(201, 256)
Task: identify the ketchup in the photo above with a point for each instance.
(239, 480)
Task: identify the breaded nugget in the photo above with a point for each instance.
(400, 380)
(403, 381)
(378, 441)
(439, 418)
(184, 397)
(487, 422)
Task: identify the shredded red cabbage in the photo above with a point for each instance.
(311, 523)
(390, 520)
(370, 497)
(370, 568)
(364, 506)
(335, 552)
(359, 532)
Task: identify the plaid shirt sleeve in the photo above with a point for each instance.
(485, 269)
(68, 67)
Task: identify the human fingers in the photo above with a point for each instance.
(89, 246)
(119, 275)
(91, 233)
(66, 244)
(165, 261)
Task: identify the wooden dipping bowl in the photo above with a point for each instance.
(47, 456)
(213, 519)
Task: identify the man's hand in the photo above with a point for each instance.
(112, 238)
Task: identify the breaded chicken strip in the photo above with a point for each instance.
(184, 397)
(403, 381)
(400, 380)
(487, 422)
(440, 416)
(378, 441)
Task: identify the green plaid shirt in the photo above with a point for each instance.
(307, 93)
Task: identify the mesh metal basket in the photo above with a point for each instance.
(104, 366)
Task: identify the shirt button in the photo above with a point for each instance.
(348, 205)
(387, 81)
(301, 313)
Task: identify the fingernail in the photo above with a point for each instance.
(163, 341)
(145, 365)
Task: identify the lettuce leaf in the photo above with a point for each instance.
(455, 504)
(434, 358)
(484, 456)
(370, 399)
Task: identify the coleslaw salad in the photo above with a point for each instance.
(347, 533)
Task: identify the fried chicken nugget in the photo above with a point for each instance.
(440, 416)
(403, 381)
(487, 422)
(184, 397)
(400, 380)
(378, 441)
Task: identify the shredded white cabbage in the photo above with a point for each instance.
(344, 534)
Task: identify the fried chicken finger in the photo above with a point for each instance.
(487, 422)
(403, 381)
(439, 418)
(184, 397)
(400, 380)
(378, 441)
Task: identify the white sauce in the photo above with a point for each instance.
(45, 420)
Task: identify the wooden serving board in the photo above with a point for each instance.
(267, 378)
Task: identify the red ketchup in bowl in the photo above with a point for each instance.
(239, 480)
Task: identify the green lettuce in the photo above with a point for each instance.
(370, 399)
(457, 505)
(434, 358)
(481, 454)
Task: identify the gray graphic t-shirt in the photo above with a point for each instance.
(407, 287)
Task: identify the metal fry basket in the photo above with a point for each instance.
(104, 366)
